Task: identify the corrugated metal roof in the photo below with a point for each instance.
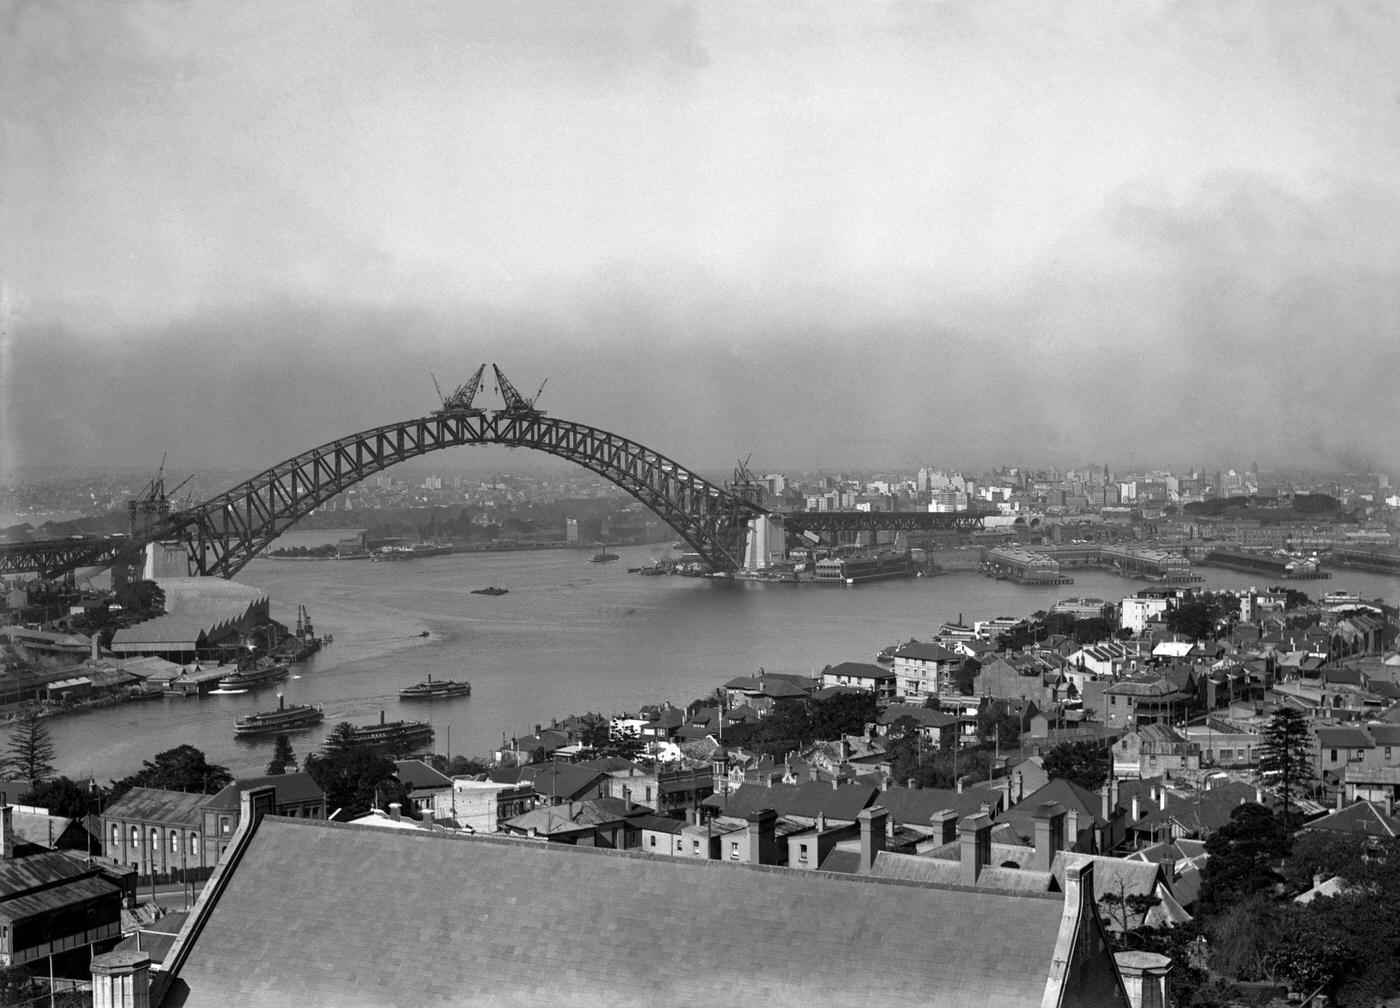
(66, 894)
(153, 805)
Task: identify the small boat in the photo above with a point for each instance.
(493, 590)
(260, 673)
(436, 689)
(603, 556)
(423, 633)
(283, 719)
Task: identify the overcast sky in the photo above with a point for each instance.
(844, 235)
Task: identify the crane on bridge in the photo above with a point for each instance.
(460, 401)
(517, 404)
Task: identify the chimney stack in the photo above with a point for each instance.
(1135, 812)
(1049, 834)
(1020, 786)
(975, 834)
(1169, 871)
(1071, 829)
(874, 821)
(945, 826)
(763, 844)
(627, 799)
(395, 811)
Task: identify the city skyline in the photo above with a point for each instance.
(844, 236)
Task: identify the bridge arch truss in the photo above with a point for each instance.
(225, 532)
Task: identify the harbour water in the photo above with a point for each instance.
(570, 636)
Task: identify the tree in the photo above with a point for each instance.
(1286, 749)
(1245, 855)
(356, 780)
(1083, 763)
(183, 768)
(965, 675)
(842, 714)
(282, 757)
(30, 754)
(141, 598)
(459, 766)
(62, 796)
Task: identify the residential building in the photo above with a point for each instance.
(923, 670)
(1152, 750)
(872, 678)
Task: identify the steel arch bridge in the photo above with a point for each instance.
(225, 532)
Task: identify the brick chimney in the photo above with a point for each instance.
(121, 980)
(1049, 834)
(975, 836)
(763, 843)
(874, 822)
(945, 825)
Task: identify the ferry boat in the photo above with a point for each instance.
(603, 556)
(283, 719)
(414, 552)
(260, 673)
(436, 689)
(493, 590)
(394, 736)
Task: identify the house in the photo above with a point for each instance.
(1151, 750)
(52, 901)
(871, 678)
(937, 729)
(1093, 823)
(1364, 818)
(555, 782)
(803, 802)
(430, 791)
(1144, 699)
(1194, 816)
(766, 690)
(923, 670)
(598, 822)
(937, 945)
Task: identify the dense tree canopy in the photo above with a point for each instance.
(62, 796)
(29, 755)
(1245, 856)
(356, 780)
(1084, 763)
(183, 768)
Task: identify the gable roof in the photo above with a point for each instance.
(842, 804)
(920, 651)
(1368, 818)
(291, 788)
(950, 946)
(144, 804)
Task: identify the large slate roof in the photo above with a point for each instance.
(313, 913)
(839, 804)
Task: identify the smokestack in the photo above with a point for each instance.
(975, 834)
(874, 821)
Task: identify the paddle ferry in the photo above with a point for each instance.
(436, 689)
(283, 719)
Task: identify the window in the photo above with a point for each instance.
(135, 837)
(802, 853)
(155, 838)
(1387, 752)
(194, 843)
(697, 846)
(116, 836)
(651, 840)
(1334, 755)
(1113, 701)
(734, 850)
(224, 825)
(174, 842)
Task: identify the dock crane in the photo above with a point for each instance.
(517, 404)
(460, 401)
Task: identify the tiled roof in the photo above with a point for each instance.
(296, 923)
(154, 805)
(859, 670)
(841, 804)
(927, 717)
(1067, 793)
(1368, 818)
(291, 788)
(919, 651)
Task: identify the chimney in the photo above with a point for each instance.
(812, 773)
(395, 811)
(1258, 795)
(257, 802)
(874, 821)
(975, 835)
(1071, 829)
(763, 844)
(627, 799)
(1144, 978)
(1389, 804)
(1135, 812)
(96, 649)
(121, 980)
(7, 833)
(960, 785)
(945, 826)
(987, 808)
(1341, 801)
(1113, 795)
(1169, 872)
(820, 823)
(1049, 834)
(835, 783)
(1020, 786)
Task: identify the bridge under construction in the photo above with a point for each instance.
(222, 534)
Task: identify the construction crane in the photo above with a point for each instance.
(460, 401)
(517, 404)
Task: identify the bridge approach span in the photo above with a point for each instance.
(225, 532)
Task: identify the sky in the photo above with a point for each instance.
(817, 235)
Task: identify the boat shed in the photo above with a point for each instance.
(204, 617)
